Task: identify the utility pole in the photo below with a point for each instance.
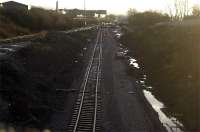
(85, 15)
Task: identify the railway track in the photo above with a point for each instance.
(87, 111)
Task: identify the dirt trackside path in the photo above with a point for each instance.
(125, 109)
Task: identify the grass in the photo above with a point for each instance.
(169, 55)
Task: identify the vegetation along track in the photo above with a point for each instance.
(86, 115)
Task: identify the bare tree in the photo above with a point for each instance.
(196, 10)
(131, 13)
(179, 9)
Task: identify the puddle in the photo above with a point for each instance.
(17, 46)
(6, 49)
(170, 123)
(118, 35)
(145, 77)
(142, 82)
(115, 31)
(149, 87)
(133, 62)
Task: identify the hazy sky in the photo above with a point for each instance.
(113, 6)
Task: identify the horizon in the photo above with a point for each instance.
(119, 8)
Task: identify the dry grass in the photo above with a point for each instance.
(41, 34)
(9, 29)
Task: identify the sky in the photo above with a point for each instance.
(112, 6)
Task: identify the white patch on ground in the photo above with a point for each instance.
(170, 123)
(133, 62)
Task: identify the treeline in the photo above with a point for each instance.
(168, 53)
(145, 19)
(18, 22)
(38, 18)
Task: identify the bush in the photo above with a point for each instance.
(170, 57)
(9, 29)
(33, 20)
(145, 19)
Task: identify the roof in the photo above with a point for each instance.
(13, 2)
(87, 11)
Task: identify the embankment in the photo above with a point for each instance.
(169, 56)
(31, 75)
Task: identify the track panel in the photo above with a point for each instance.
(86, 116)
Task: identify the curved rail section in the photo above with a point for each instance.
(86, 115)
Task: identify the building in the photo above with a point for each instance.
(88, 13)
(14, 5)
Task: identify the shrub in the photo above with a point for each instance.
(169, 54)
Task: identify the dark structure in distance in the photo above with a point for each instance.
(14, 5)
(89, 13)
